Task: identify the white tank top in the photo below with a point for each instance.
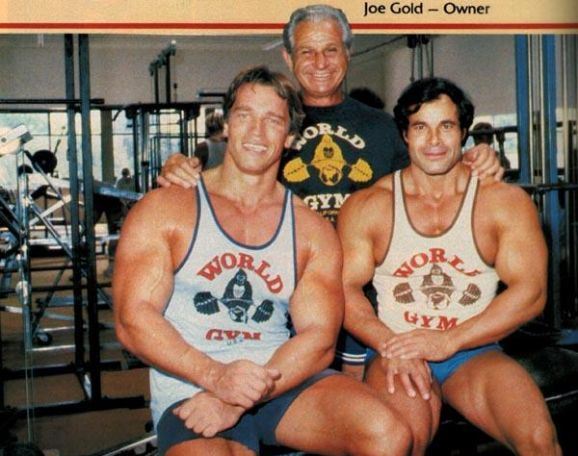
(230, 300)
(433, 282)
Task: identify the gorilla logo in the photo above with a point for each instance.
(238, 299)
(329, 161)
(438, 287)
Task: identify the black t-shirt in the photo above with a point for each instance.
(341, 149)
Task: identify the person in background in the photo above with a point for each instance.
(212, 150)
(367, 97)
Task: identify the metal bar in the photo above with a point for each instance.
(60, 101)
(135, 152)
(550, 174)
(145, 148)
(156, 83)
(522, 107)
(23, 286)
(61, 369)
(88, 181)
(168, 77)
(66, 408)
(74, 205)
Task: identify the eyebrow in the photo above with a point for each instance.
(246, 108)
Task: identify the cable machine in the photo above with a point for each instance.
(87, 295)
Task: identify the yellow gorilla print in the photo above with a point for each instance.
(329, 161)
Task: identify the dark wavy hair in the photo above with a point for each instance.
(429, 89)
(280, 83)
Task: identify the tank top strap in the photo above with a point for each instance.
(206, 216)
(401, 221)
(464, 220)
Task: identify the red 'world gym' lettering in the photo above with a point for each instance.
(434, 255)
(228, 260)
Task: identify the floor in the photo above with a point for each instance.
(87, 433)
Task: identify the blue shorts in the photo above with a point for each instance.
(256, 426)
(442, 370)
(348, 349)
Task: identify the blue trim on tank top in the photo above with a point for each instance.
(248, 247)
(294, 239)
(195, 233)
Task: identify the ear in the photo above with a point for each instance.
(289, 141)
(287, 58)
(226, 130)
(404, 135)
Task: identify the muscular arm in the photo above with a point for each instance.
(355, 227)
(364, 227)
(142, 285)
(521, 263)
(316, 306)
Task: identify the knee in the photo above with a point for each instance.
(383, 438)
(539, 440)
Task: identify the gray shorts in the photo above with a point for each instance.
(256, 426)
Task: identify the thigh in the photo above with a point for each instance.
(424, 414)
(213, 447)
(496, 394)
(174, 438)
(333, 414)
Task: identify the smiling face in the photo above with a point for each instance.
(257, 128)
(434, 136)
(319, 61)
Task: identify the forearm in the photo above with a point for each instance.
(154, 340)
(362, 322)
(301, 357)
(506, 313)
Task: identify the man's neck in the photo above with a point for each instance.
(243, 190)
(437, 187)
(323, 102)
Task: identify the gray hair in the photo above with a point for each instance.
(316, 13)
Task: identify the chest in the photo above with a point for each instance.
(432, 218)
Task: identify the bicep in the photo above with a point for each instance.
(317, 301)
(522, 253)
(358, 250)
(143, 266)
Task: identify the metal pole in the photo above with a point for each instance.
(74, 206)
(168, 78)
(91, 286)
(522, 106)
(550, 174)
(145, 148)
(135, 150)
(156, 83)
(23, 287)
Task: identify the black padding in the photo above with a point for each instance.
(46, 160)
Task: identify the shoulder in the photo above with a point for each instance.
(508, 203)
(368, 208)
(307, 220)
(376, 196)
(367, 111)
(163, 207)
